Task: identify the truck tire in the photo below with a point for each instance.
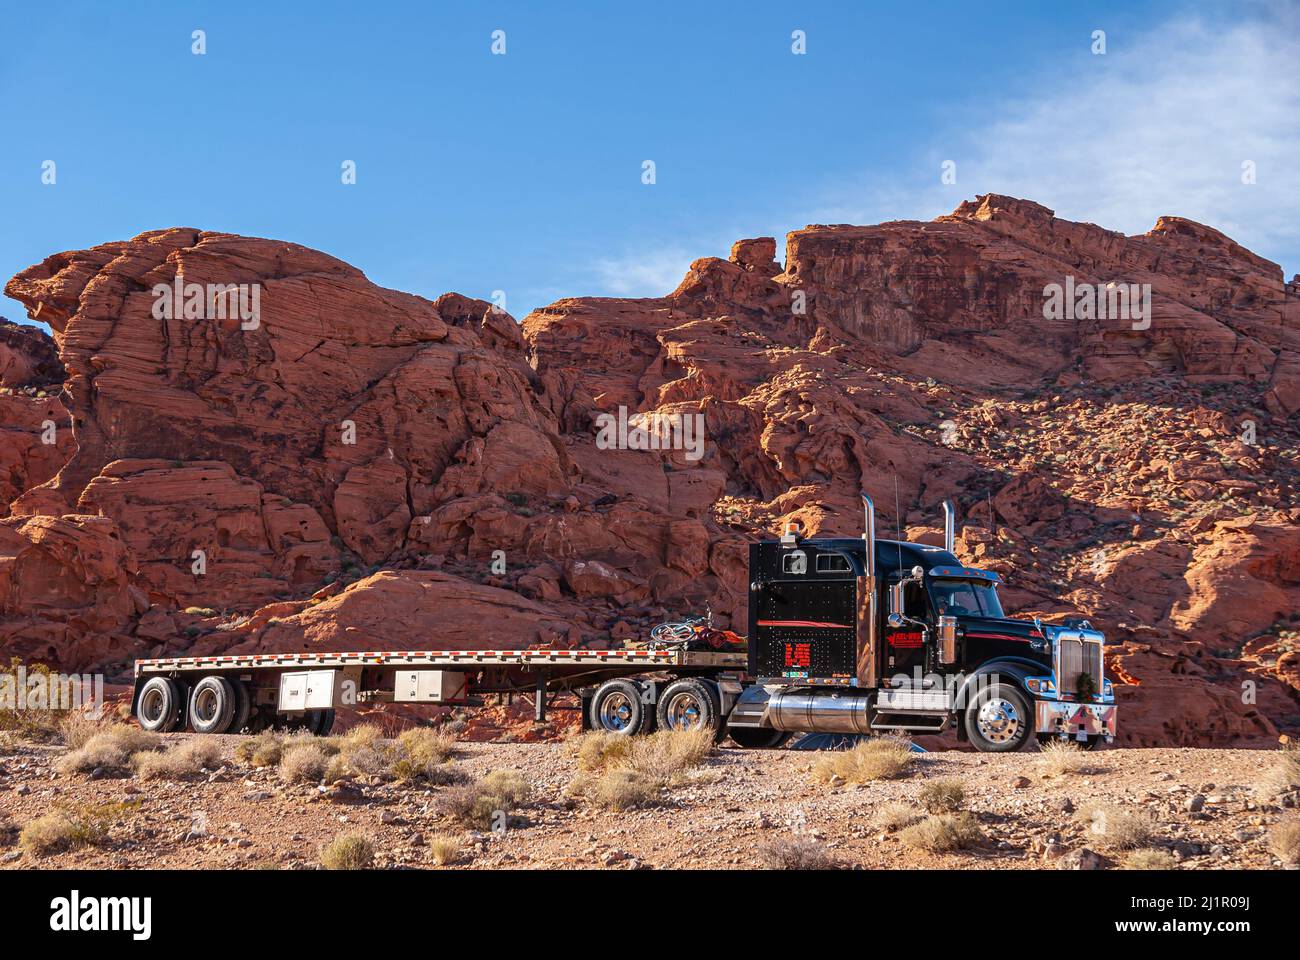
(243, 706)
(162, 705)
(323, 723)
(999, 719)
(690, 704)
(759, 738)
(212, 705)
(618, 707)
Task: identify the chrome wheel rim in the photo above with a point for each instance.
(683, 712)
(616, 712)
(998, 721)
(151, 706)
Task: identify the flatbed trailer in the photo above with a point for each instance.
(304, 689)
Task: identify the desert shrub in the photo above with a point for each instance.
(477, 804)
(1149, 858)
(349, 851)
(1114, 828)
(111, 750)
(75, 729)
(200, 611)
(895, 815)
(444, 848)
(185, 760)
(1059, 757)
(795, 853)
(942, 833)
(880, 758)
(262, 750)
(1282, 775)
(942, 796)
(1284, 841)
(69, 826)
(424, 745)
(620, 772)
(303, 761)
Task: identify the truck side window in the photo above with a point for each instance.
(832, 563)
(917, 601)
(795, 562)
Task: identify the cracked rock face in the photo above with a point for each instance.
(356, 467)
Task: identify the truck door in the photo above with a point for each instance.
(906, 648)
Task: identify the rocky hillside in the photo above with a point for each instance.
(364, 468)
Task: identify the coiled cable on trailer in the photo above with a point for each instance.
(676, 633)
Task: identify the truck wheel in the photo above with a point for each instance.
(759, 738)
(999, 719)
(162, 705)
(212, 705)
(243, 706)
(617, 707)
(690, 704)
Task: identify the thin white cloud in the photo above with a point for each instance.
(643, 274)
(1159, 125)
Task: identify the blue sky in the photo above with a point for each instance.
(522, 172)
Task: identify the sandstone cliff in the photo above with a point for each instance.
(364, 467)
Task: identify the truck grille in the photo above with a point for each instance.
(1077, 656)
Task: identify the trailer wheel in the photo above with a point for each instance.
(162, 705)
(690, 704)
(323, 724)
(759, 738)
(212, 705)
(999, 719)
(243, 706)
(617, 707)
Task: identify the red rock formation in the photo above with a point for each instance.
(1142, 474)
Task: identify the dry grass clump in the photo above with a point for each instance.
(262, 750)
(1284, 841)
(488, 802)
(364, 751)
(426, 753)
(1057, 758)
(942, 833)
(186, 760)
(880, 758)
(795, 853)
(68, 827)
(895, 815)
(1113, 828)
(348, 851)
(942, 796)
(1149, 858)
(76, 729)
(110, 750)
(303, 761)
(1283, 776)
(444, 848)
(619, 772)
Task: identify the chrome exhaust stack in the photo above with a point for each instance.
(949, 526)
(866, 666)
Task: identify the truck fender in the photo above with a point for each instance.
(1014, 669)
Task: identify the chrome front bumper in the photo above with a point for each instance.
(1073, 719)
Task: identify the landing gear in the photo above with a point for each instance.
(1094, 742)
(162, 705)
(690, 704)
(618, 707)
(999, 719)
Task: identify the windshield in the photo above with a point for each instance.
(965, 598)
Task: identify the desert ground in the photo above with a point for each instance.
(216, 808)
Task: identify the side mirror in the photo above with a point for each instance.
(947, 639)
(895, 620)
(896, 600)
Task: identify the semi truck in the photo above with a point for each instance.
(847, 635)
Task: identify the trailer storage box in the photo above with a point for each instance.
(429, 686)
(310, 690)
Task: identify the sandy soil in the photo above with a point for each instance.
(723, 815)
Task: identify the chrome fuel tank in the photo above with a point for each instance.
(819, 712)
